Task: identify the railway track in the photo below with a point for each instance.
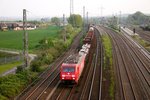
(132, 67)
(50, 77)
(93, 84)
(65, 93)
(96, 86)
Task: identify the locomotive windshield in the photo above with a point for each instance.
(68, 69)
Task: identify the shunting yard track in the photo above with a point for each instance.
(50, 78)
(132, 69)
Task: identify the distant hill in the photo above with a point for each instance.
(138, 18)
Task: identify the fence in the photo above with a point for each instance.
(11, 50)
(6, 60)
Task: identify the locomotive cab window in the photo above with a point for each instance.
(68, 69)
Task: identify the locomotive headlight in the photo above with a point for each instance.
(63, 75)
(63, 78)
(73, 78)
(73, 75)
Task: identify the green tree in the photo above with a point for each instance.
(75, 20)
(55, 21)
(138, 18)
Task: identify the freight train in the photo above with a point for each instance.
(89, 37)
(73, 66)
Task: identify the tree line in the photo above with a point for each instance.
(75, 20)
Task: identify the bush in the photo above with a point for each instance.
(19, 69)
(48, 59)
(12, 84)
(2, 97)
(68, 35)
(35, 66)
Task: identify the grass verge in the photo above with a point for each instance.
(108, 69)
(8, 66)
(114, 28)
(142, 42)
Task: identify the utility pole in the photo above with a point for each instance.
(83, 18)
(25, 40)
(64, 28)
(87, 18)
(102, 14)
(120, 18)
(71, 7)
(102, 11)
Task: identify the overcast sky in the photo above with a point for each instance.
(49, 8)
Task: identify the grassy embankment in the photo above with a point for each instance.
(114, 28)
(8, 66)
(142, 42)
(47, 53)
(108, 74)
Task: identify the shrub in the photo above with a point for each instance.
(48, 59)
(35, 66)
(2, 97)
(12, 84)
(19, 69)
(68, 35)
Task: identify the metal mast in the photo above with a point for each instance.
(120, 18)
(71, 7)
(83, 18)
(64, 28)
(87, 18)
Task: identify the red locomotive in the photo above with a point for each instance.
(72, 68)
